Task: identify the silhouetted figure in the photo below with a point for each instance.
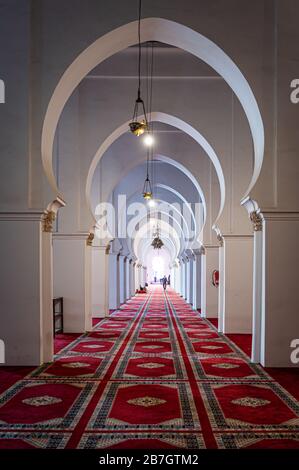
(164, 282)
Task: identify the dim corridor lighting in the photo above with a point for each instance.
(148, 140)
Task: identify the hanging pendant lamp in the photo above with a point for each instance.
(138, 127)
(147, 187)
(157, 243)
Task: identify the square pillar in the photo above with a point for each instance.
(113, 281)
(189, 281)
(121, 264)
(280, 292)
(132, 278)
(183, 279)
(128, 279)
(100, 281)
(26, 320)
(209, 293)
(196, 270)
(236, 282)
(72, 280)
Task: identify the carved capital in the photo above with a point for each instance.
(257, 221)
(89, 239)
(220, 239)
(48, 220)
(202, 250)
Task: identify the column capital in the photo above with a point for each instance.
(220, 239)
(89, 239)
(199, 251)
(257, 221)
(48, 220)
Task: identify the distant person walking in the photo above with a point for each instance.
(164, 282)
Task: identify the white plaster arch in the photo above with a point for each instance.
(181, 197)
(149, 226)
(144, 246)
(183, 169)
(168, 32)
(175, 122)
(165, 229)
(153, 210)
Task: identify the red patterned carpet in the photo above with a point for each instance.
(152, 375)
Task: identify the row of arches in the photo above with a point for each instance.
(213, 151)
(133, 249)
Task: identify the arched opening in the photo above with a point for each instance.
(168, 32)
(228, 71)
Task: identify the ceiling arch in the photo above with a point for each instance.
(168, 32)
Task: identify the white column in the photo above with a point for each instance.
(72, 280)
(138, 275)
(189, 281)
(186, 278)
(257, 293)
(178, 279)
(280, 295)
(113, 283)
(128, 279)
(136, 270)
(144, 275)
(121, 263)
(209, 293)
(132, 278)
(221, 289)
(183, 278)
(237, 284)
(196, 269)
(100, 281)
(26, 320)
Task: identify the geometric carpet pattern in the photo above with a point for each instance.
(153, 375)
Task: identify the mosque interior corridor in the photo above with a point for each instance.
(149, 227)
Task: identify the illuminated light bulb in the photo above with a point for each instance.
(148, 140)
(151, 203)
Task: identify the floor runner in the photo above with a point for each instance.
(152, 375)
